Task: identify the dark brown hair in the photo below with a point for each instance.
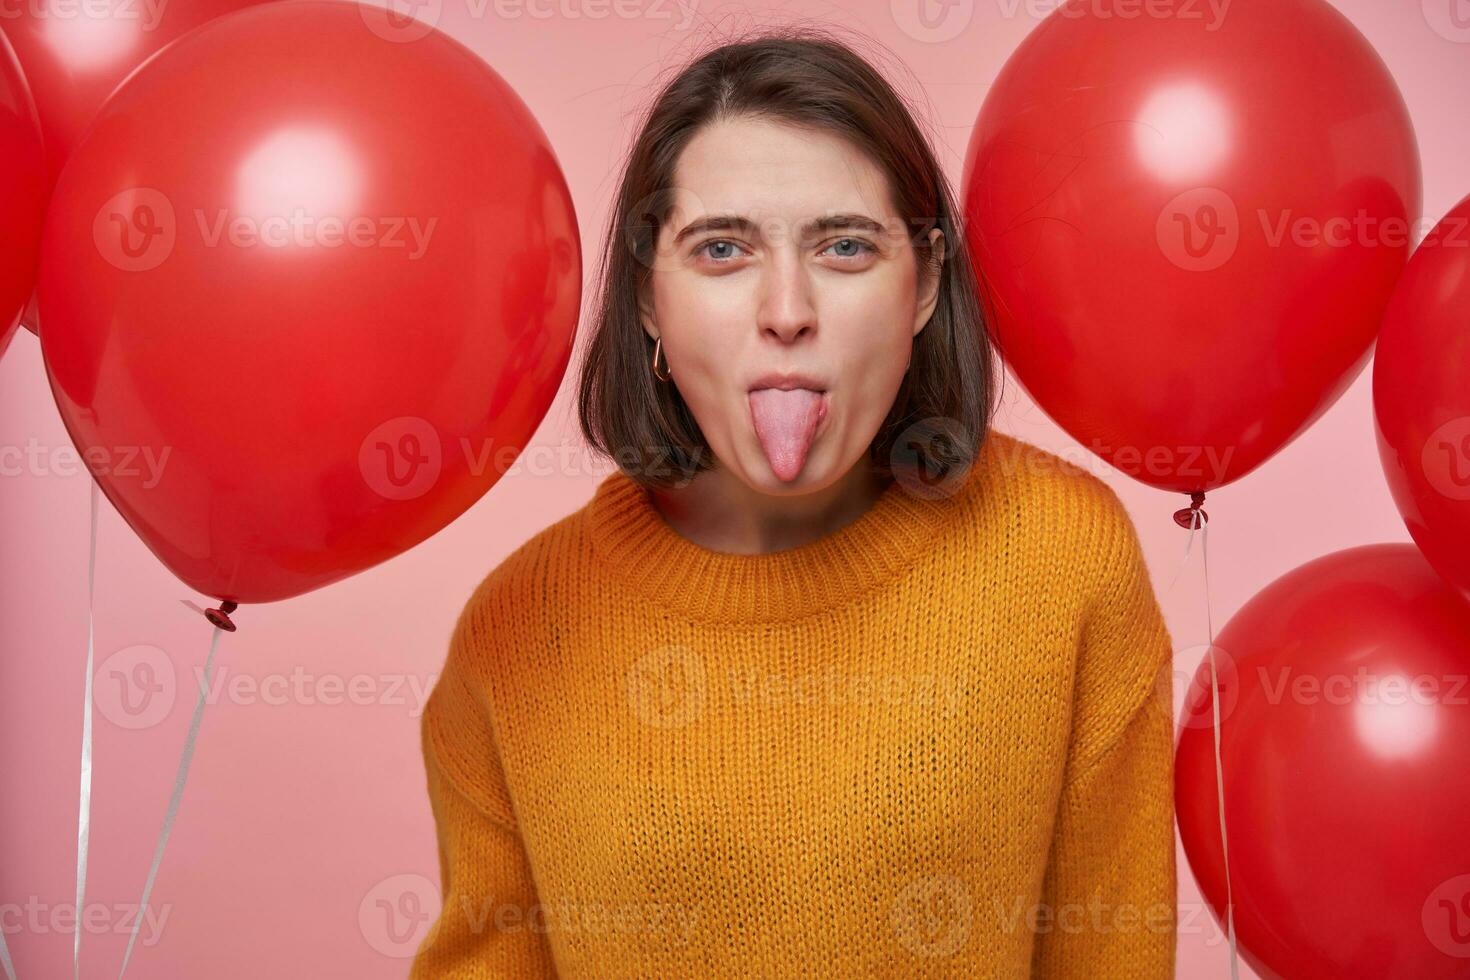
(802, 76)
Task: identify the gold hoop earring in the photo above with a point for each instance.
(665, 374)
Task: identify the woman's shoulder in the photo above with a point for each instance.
(521, 604)
(1065, 489)
(1056, 503)
(537, 570)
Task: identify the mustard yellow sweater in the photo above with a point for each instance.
(934, 743)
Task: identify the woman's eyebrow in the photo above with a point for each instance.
(744, 225)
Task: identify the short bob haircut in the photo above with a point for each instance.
(941, 414)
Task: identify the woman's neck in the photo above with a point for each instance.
(718, 511)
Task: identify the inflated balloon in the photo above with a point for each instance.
(315, 331)
(1421, 396)
(75, 54)
(1187, 227)
(22, 192)
(1345, 747)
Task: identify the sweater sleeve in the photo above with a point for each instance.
(1108, 906)
(492, 926)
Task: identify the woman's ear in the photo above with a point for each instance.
(645, 310)
(930, 276)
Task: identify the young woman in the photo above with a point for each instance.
(828, 679)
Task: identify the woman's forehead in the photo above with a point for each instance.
(776, 171)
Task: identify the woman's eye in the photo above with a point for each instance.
(719, 250)
(850, 248)
(722, 250)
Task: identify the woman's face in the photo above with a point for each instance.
(737, 302)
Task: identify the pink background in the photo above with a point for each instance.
(305, 837)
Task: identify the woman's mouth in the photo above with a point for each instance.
(786, 422)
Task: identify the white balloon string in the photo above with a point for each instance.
(1197, 522)
(1219, 766)
(5, 963)
(178, 793)
(84, 792)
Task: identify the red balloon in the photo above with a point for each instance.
(76, 53)
(316, 330)
(1345, 747)
(1187, 227)
(1421, 396)
(22, 192)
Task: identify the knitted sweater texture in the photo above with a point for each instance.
(936, 742)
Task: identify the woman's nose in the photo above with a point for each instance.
(786, 307)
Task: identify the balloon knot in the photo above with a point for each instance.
(221, 617)
(1185, 516)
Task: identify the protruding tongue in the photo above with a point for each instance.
(785, 422)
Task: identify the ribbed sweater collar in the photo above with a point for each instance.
(646, 555)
